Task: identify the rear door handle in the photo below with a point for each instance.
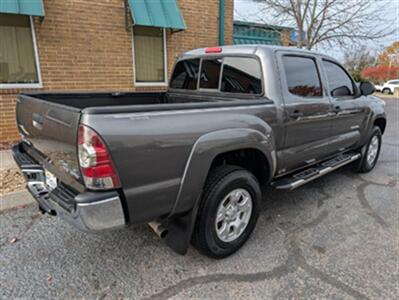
(37, 121)
(337, 109)
(37, 125)
(38, 118)
(296, 114)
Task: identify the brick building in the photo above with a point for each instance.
(55, 45)
(262, 34)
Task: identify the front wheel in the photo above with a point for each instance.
(228, 211)
(371, 151)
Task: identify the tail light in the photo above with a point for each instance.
(98, 171)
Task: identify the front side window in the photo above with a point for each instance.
(302, 76)
(340, 84)
(17, 51)
(185, 75)
(149, 54)
(241, 75)
(210, 73)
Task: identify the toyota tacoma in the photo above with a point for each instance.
(193, 161)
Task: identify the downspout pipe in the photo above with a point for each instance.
(221, 22)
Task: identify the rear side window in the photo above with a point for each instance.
(302, 76)
(340, 84)
(210, 73)
(241, 75)
(185, 75)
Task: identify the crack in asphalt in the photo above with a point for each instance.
(294, 261)
(325, 197)
(316, 273)
(300, 260)
(361, 195)
(316, 221)
(173, 290)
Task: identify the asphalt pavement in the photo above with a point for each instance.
(337, 237)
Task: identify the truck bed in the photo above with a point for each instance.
(50, 121)
(116, 102)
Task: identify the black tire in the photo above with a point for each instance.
(364, 165)
(220, 182)
(386, 91)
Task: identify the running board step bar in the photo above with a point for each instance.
(296, 180)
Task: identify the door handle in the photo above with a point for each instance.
(337, 109)
(37, 125)
(38, 118)
(37, 121)
(296, 114)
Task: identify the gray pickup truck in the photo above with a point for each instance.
(191, 162)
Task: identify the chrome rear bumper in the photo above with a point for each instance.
(89, 211)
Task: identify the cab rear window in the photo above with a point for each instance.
(210, 73)
(241, 75)
(224, 74)
(185, 75)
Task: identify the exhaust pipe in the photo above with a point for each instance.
(158, 228)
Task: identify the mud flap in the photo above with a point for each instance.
(358, 164)
(180, 230)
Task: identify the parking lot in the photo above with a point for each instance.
(336, 237)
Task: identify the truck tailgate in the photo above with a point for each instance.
(52, 130)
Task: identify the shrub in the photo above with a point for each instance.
(380, 73)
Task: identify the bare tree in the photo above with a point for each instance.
(329, 22)
(357, 59)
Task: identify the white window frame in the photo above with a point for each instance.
(37, 62)
(165, 62)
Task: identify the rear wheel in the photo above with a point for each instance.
(371, 151)
(228, 211)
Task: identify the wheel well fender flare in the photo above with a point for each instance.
(204, 151)
(207, 148)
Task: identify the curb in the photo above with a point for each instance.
(15, 199)
(6, 160)
(386, 97)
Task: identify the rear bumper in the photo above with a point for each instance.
(88, 211)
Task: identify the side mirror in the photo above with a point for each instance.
(341, 91)
(366, 88)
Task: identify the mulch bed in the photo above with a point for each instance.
(11, 180)
(6, 145)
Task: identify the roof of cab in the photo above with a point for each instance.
(250, 49)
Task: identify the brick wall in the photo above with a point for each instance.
(83, 45)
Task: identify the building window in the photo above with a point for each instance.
(149, 55)
(19, 65)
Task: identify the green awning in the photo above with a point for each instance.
(157, 13)
(22, 7)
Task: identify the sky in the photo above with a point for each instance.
(248, 10)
